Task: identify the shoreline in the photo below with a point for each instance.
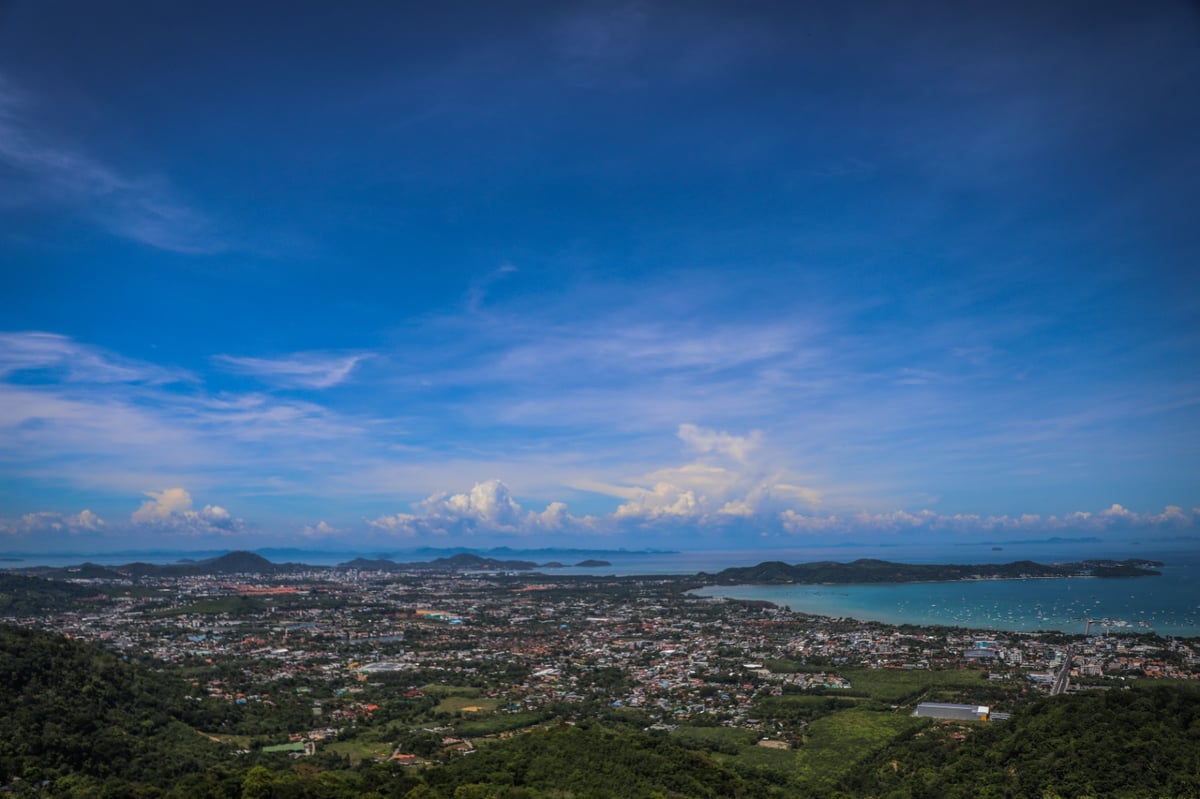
(1110, 630)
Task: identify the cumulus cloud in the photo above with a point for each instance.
(553, 519)
(300, 370)
(321, 529)
(51, 522)
(172, 508)
(663, 500)
(487, 507)
(488, 504)
(703, 440)
(731, 478)
(404, 525)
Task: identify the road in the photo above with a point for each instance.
(1063, 678)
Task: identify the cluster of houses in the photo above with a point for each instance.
(632, 643)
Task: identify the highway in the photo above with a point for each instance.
(1063, 678)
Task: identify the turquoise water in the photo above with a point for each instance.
(1168, 604)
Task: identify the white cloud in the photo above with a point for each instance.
(487, 504)
(554, 518)
(1116, 517)
(75, 362)
(478, 290)
(731, 479)
(321, 529)
(737, 447)
(663, 500)
(404, 525)
(172, 508)
(737, 507)
(51, 522)
(1117, 512)
(300, 370)
(487, 508)
(801, 523)
(70, 411)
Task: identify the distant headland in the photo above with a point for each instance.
(867, 570)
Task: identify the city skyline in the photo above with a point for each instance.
(597, 276)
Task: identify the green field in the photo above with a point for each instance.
(501, 722)
(838, 741)
(902, 686)
(843, 727)
(715, 736)
(234, 605)
(438, 691)
(358, 750)
(468, 704)
(781, 761)
(239, 741)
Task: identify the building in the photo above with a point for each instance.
(940, 710)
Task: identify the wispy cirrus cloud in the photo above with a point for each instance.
(300, 370)
(35, 351)
(99, 420)
(143, 208)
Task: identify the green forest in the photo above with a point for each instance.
(80, 721)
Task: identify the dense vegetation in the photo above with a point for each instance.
(596, 762)
(25, 596)
(79, 721)
(1124, 743)
(73, 709)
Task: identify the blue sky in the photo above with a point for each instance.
(597, 274)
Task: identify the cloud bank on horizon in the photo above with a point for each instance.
(604, 276)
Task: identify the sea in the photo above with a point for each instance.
(1168, 604)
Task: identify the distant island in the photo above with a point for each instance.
(464, 561)
(868, 570)
(253, 563)
(865, 570)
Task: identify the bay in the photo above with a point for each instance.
(1168, 604)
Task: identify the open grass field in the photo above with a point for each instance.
(834, 743)
(500, 722)
(439, 691)
(466, 704)
(782, 761)
(715, 736)
(837, 741)
(900, 686)
(359, 750)
(240, 741)
(236, 605)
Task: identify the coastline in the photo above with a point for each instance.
(1132, 605)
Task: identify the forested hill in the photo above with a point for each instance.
(79, 721)
(1128, 743)
(26, 596)
(71, 708)
(867, 570)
